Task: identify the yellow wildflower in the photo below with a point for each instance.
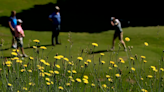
(56, 72)
(24, 88)
(19, 61)
(43, 47)
(86, 81)
(36, 41)
(122, 61)
(30, 71)
(70, 77)
(8, 62)
(144, 61)
(110, 80)
(102, 54)
(95, 44)
(161, 69)
(16, 58)
(52, 82)
(8, 65)
(52, 72)
(86, 63)
(60, 88)
(115, 65)
(110, 68)
(58, 66)
(68, 71)
(25, 65)
(141, 78)
(155, 70)
(82, 66)
(89, 60)
(78, 80)
(107, 76)
(85, 76)
(103, 62)
(127, 39)
(57, 57)
(118, 75)
(146, 44)
(150, 76)
(66, 59)
(104, 85)
(143, 90)
(61, 56)
(48, 83)
(143, 57)
(47, 79)
(42, 60)
(9, 84)
(79, 58)
(47, 64)
(153, 67)
(14, 53)
(67, 84)
(92, 84)
(22, 70)
(0, 69)
(112, 62)
(48, 74)
(72, 80)
(31, 58)
(73, 71)
(133, 69)
(42, 74)
(34, 47)
(131, 58)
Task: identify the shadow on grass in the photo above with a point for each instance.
(102, 51)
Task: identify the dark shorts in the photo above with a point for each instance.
(12, 32)
(55, 30)
(117, 34)
(19, 41)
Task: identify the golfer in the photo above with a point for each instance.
(118, 33)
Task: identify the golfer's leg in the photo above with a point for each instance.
(113, 41)
(121, 40)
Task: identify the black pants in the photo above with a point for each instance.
(55, 33)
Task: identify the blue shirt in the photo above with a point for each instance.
(55, 18)
(13, 21)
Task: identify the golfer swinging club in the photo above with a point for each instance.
(118, 32)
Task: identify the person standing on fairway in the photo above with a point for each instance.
(56, 20)
(12, 22)
(118, 32)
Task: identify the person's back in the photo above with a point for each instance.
(19, 31)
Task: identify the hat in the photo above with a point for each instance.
(19, 21)
(112, 18)
(57, 8)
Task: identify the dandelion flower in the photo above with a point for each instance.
(52, 82)
(69, 71)
(25, 65)
(8, 65)
(107, 76)
(103, 62)
(95, 44)
(80, 58)
(8, 62)
(60, 88)
(85, 76)
(144, 61)
(150, 76)
(143, 90)
(153, 67)
(16, 58)
(141, 78)
(34, 47)
(70, 77)
(92, 84)
(9, 84)
(66, 59)
(52, 72)
(89, 61)
(82, 66)
(47, 64)
(133, 69)
(127, 39)
(0, 69)
(110, 80)
(155, 70)
(61, 56)
(122, 61)
(161, 69)
(42, 74)
(42, 60)
(86, 63)
(146, 44)
(31, 58)
(78, 80)
(30, 83)
(112, 62)
(47, 79)
(30, 71)
(131, 58)
(110, 68)
(86, 81)
(56, 72)
(143, 57)
(72, 80)
(117, 75)
(37, 41)
(115, 65)
(24, 88)
(48, 74)
(14, 53)
(73, 71)
(43, 47)
(58, 66)
(57, 57)
(102, 54)
(104, 85)
(22, 70)
(67, 84)
(48, 83)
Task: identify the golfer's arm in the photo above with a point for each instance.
(10, 25)
(112, 23)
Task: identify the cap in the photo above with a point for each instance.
(112, 18)
(19, 21)
(57, 8)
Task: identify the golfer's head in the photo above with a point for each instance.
(57, 8)
(13, 13)
(112, 18)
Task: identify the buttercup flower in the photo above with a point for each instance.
(16, 58)
(144, 61)
(70, 77)
(133, 69)
(122, 61)
(89, 60)
(47, 79)
(150, 76)
(69, 71)
(25, 65)
(86, 81)
(146, 44)
(14, 53)
(107, 76)
(66, 59)
(47, 64)
(102, 54)
(60, 88)
(37, 41)
(30, 71)
(73, 71)
(110, 80)
(48, 83)
(58, 66)
(103, 62)
(118, 75)
(80, 58)
(43, 47)
(8, 62)
(78, 80)
(34, 47)
(31, 58)
(104, 85)
(57, 57)
(95, 44)
(52, 82)
(52, 72)
(56, 72)
(61, 56)
(67, 84)
(161, 69)
(143, 57)
(92, 84)
(112, 62)
(85, 76)
(131, 58)
(48, 74)
(127, 39)
(9, 84)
